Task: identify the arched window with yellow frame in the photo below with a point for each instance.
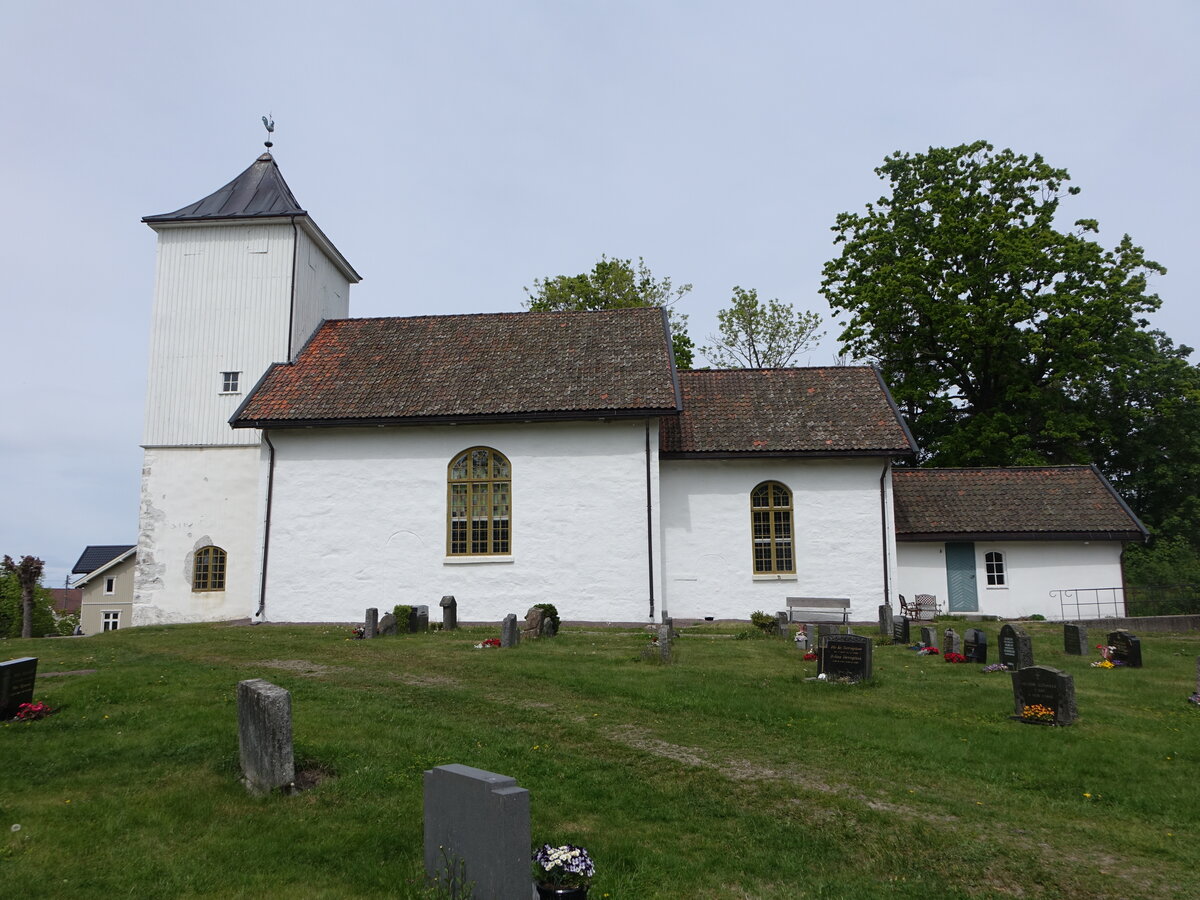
(772, 529)
(208, 569)
(479, 515)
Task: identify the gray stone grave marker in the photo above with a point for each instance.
(17, 677)
(1016, 649)
(846, 656)
(900, 630)
(1075, 639)
(975, 646)
(1047, 687)
(510, 633)
(480, 820)
(1127, 648)
(885, 620)
(371, 625)
(265, 735)
(824, 631)
(781, 625)
(929, 636)
(665, 634)
(449, 613)
(951, 642)
(422, 619)
(535, 621)
(387, 625)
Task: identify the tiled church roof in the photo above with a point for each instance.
(818, 412)
(1043, 501)
(471, 367)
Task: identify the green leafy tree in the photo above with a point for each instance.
(759, 335)
(988, 322)
(22, 598)
(616, 284)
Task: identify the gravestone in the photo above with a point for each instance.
(371, 626)
(929, 636)
(824, 631)
(510, 635)
(1127, 648)
(781, 625)
(17, 677)
(449, 613)
(900, 633)
(885, 620)
(265, 735)
(801, 637)
(411, 625)
(1047, 687)
(1075, 639)
(849, 629)
(665, 634)
(422, 619)
(951, 642)
(535, 621)
(670, 623)
(479, 820)
(387, 625)
(1016, 649)
(846, 656)
(975, 646)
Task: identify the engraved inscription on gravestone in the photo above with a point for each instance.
(17, 677)
(1075, 639)
(1044, 686)
(1127, 648)
(846, 656)
(900, 630)
(1016, 649)
(975, 646)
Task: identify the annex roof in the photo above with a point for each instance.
(485, 367)
(835, 411)
(1042, 502)
(96, 555)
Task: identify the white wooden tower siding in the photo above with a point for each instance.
(244, 276)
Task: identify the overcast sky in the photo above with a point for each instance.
(455, 152)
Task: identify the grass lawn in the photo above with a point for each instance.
(726, 774)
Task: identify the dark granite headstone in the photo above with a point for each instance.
(951, 642)
(781, 626)
(846, 656)
(929, 636)
(371, 626)
(900, 633)
(510, 633)
(449, 613)
(411, 626)
(387, 625)
(17, 677)
(885, 620)
(975, 646)
(1044, 686)
(422, 619)
(265, 735)
(1016, 649)
(1075, 639)
(1127, 648)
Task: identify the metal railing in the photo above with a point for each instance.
(1140, 600)
(1090, 603)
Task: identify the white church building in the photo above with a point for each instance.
(301, 465)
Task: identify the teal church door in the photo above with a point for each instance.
(960, 578)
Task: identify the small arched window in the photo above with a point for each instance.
(479, 519)
(993, 563)
(771, 526)
(208, 569)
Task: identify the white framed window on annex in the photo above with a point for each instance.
(479, 507)
(772, 529)
(995, 569)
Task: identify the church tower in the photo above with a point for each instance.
(244, 277)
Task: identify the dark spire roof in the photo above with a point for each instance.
(258, 192)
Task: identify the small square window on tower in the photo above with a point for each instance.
(229, 382)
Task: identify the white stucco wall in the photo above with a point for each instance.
(707, 549)
(359, 520)
(1034, 569)
(193, 497)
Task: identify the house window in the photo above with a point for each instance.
(208, 570)
(993, 563)
(110, 585)
(479, 521)
(771, 524)
(111, 619)
(229, 382)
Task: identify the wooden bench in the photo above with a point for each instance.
(819, 604)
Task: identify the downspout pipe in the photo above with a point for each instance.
(649, 523)
(887, 575)
(262, 584)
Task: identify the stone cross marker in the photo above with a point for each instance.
(371, 627)
(510, 634)
(480, 820)
(1127, 648)
(265, 735)
(900, 633)
(449, 613)
(846, 656)
(1044, 686)
(929, 636)
(885, 619)
(17, 677)
(1016, 649)
(975, 646)
(1075, 639)
(951, 642)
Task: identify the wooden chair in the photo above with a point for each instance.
(922, 606)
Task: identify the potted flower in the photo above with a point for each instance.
(562, 872)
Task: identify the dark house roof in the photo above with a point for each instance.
(836, 411)
(1043, 502)
(259, 191)
(489, 367)
(96, 555)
